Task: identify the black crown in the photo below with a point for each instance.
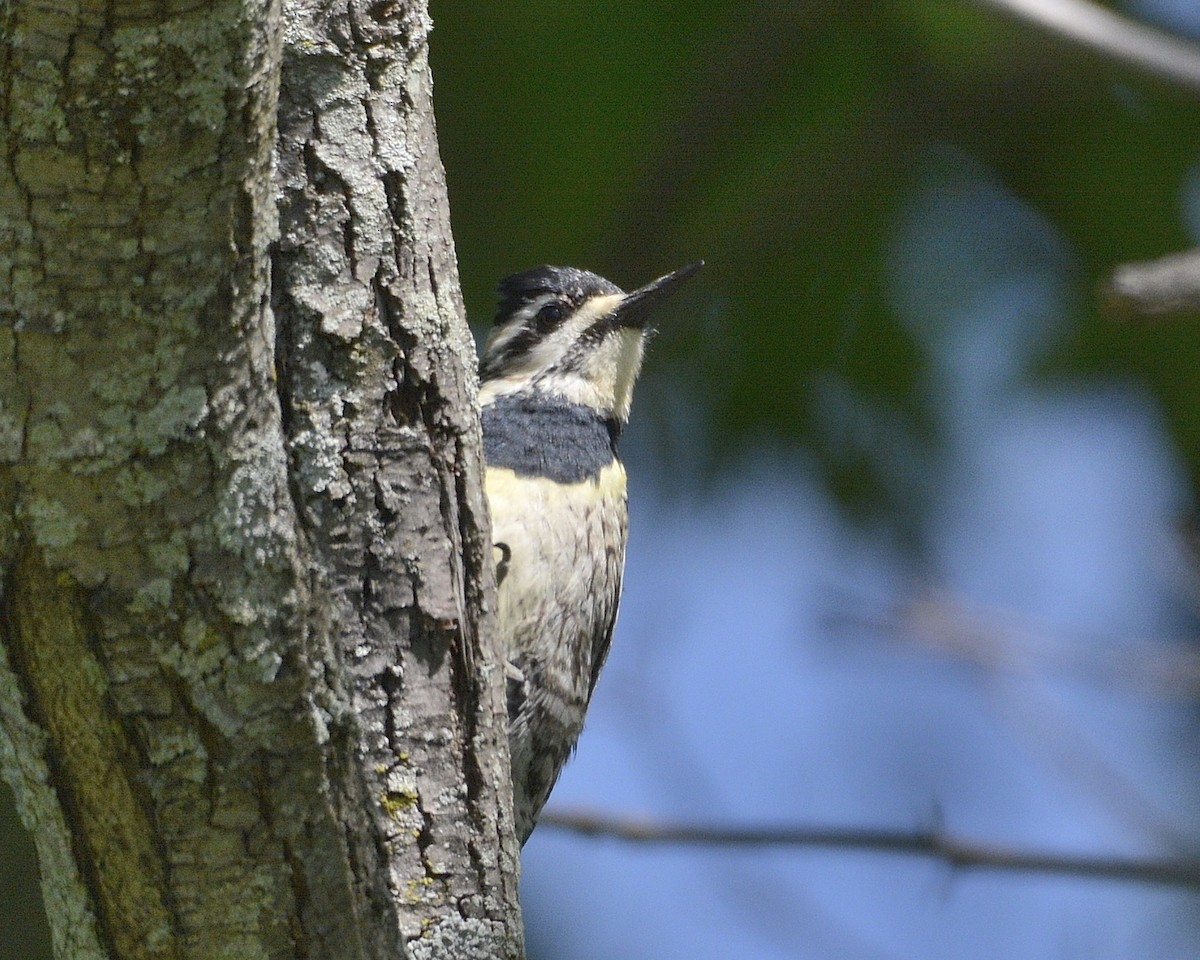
(572, 284)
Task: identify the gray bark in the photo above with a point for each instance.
(250, 694)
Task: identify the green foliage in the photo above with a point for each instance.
(777, 141)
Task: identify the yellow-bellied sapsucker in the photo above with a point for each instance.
(557, 379)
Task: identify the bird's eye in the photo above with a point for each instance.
(551, 314)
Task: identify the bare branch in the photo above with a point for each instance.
(954, 850)
(1005, 645)
(1000, 641)
(1156, 288)
(1144, 49)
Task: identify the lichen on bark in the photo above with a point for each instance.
(249, 694)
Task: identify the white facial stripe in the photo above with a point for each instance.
(500, 336)
(550, 350)
(612, 369)
(628, 365)
(609, 366)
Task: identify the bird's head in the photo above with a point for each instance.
(572, 334)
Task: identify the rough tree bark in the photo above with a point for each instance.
(250, 701)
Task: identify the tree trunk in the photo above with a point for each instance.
(251, 700)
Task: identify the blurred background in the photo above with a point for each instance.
(911, 523)
(910, 509)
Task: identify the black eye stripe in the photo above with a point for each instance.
(520, 343)
(562, 283)
(534, 329)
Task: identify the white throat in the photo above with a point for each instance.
(603, 380)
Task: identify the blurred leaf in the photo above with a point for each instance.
(777, 141)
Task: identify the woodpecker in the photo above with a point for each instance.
(556, 382)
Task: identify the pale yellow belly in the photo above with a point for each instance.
(561, 581)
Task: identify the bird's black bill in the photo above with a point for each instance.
(634, 310)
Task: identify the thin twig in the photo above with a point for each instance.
(1117, 38)
(956, 851)
(1168, 285)
(999, 641)
(1004, 645)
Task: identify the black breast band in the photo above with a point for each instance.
(540, 436)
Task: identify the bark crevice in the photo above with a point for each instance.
(242, 658)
